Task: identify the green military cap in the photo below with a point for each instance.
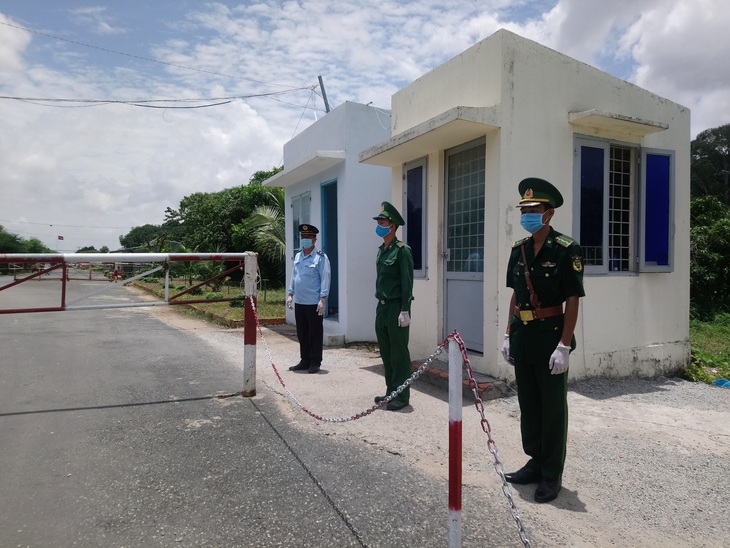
(308, 230)
(536, 191)
(388, 211)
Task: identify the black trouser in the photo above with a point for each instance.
(310, 332)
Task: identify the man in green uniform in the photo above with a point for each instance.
(394, 291)
(546, 273)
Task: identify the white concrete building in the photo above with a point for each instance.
(466, 133)
(325, 185)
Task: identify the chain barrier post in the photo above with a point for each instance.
(249, 325)
(455, 445)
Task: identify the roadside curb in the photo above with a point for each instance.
(488, 387)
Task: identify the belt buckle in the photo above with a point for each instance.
(527, 315)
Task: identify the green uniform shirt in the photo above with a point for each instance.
(556, 272)
(394, 279)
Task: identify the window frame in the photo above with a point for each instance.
(638, 211)
(422, 245)
(301, 211)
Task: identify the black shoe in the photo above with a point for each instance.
(523, 476)
(314, 368)
(378, 399)
(396, 405)
(299, 367)
(547, 490)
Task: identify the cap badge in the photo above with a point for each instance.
(528, 193)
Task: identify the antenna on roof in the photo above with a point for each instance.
(324, 95)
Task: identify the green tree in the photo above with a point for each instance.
(710, 156)
(208, 219)
(144, 238)
(34, 245)
(10, 243)
(266, 227)
(709, 257)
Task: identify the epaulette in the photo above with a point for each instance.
(320, 252)
(400, 244)
(565, 241)
(518, 243)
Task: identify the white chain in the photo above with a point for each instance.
(417, 373)
(492, 446)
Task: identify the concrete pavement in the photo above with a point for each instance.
(112, 434)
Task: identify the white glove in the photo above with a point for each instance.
(559, 359)
(505, 350)
(404, 319)
(320, 307)
(289, 301)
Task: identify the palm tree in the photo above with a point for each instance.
(267, 227)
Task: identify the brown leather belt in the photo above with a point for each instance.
(529, 315)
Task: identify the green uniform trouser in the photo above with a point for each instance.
(543, 397)
(393, 342)
(544, 420)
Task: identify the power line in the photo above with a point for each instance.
(48, 35)
(147, 103)
(57, 225)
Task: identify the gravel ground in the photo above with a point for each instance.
(647, 459)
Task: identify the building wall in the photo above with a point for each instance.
(633, 324)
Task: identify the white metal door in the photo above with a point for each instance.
(464, 245)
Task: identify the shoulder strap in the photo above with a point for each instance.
(565, 241)
(534, 300)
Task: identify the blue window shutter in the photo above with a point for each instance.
(657, 212)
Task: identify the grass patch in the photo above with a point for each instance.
(710, 343)
(270, 303)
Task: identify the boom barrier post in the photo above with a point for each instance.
(250, 275)
(455, 445)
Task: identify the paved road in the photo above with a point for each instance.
(112, 435)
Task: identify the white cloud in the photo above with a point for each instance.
(12, 46)
(96, 19)
(121, 166)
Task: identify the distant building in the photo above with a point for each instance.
(325, 185)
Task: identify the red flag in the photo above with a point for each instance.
(60, 237)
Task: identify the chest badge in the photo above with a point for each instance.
(548, 264)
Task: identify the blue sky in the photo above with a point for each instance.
(90, 171)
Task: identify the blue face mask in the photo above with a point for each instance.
(382, 231)
(306, 243)
(532, 222)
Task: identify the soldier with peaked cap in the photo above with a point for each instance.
(545, 271)
(394, 291)
(309, 287)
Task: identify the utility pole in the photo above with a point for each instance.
(324, 95)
